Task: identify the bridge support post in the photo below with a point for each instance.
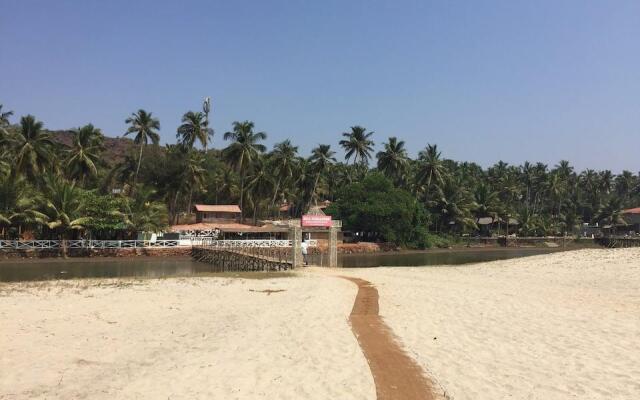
(333, 247)
(295, 235)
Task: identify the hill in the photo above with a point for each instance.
(115, 149)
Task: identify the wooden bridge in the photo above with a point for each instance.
(230, 258)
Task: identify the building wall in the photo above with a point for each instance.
(202, 216)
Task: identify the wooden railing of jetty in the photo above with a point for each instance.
(229, 257)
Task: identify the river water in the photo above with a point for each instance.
(156, 267)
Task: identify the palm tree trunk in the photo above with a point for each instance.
(275, 193)
(135, 179)
(242, 173)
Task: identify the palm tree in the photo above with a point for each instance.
(284, 161)
(194, 174)
(146, 215)
(84, 154)
(31, 148)
(194, 127)
(453, 205)
(4, 117)
(243, 151)
(259, 186)
(145, 127)
(357, 144)
(18, 205)
(487, 202)
(322, 157)
(393, 160)
(63, 206)
(611, 214)
(431, 167)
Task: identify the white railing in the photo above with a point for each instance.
(86, 244)
(247, 243)
(134, 244)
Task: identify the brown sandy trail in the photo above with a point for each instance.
(396, 375)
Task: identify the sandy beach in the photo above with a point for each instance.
(557, 326)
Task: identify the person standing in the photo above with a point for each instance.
(305, 249)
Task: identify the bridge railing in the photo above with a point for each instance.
(86, 244)
(125, 244)
(246, 243)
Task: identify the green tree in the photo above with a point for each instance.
(31, 148)
(284, 159)
(194, 127)
(85, 151)
(393, 160)
(381, 212)
(357, 144)
(144, 126)
(431, 168)
(18, 205)
(63, 207)
(322, 157)
(243, 151)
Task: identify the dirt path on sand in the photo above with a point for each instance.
(396, 375)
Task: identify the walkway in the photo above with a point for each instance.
(396, 375)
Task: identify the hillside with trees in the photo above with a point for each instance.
(80, 183)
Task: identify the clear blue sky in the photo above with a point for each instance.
(485, 80)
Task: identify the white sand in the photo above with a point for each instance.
(201, 338)
(561, 326)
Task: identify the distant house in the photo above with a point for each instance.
(632, 218)
(217, 213)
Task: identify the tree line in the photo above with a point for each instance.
(67, 190)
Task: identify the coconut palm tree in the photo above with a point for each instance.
(259, 185)
(84, 154)
(63, 208)
(322, 157)
(487, 202)
(144, 126)
(431, 169)
(194, 127)
(145, 214)
(453, 205)
(243, 151)
(611, 214)
(32, 149)
(4, 117)
(358, 144)
(18, 205)
(284, 160)
(393, 160)
(194, 174)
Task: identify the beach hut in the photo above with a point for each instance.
(206, 213)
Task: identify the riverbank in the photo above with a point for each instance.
(554, 326)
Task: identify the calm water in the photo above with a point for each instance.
(31, 270)
(437, 257)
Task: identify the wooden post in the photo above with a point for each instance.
(295, 235)
(333, 247)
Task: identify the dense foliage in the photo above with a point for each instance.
(398, 199)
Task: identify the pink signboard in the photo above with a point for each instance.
(316, 220)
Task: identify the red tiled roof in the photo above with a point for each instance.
(632, 211)
(225, 227)
(229, 208)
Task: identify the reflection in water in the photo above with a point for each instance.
(163, 267)
(437, 257)
(95, 268)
